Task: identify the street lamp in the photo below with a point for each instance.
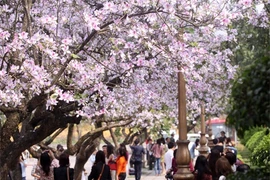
(203, 149)
(182, 155)
(210, 133)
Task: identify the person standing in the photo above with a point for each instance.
(192, 150)
(218, 145)
(137, 152)
(212, 159)
(172, 138)
(232, 160)
(169, 156)
(157, 152)
(150, 156)
(46, 165)
(201, 169)
(104, 149)
(110, 160)
(63, 172)
(121, 163)
(223, 135)
(223, 168)
(92, 159)
(100, 170)
(162, 158)
(23, 167)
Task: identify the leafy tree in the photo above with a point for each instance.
(249, 100)
(250, 97)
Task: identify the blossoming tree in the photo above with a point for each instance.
(64, 60)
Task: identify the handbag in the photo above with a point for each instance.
(101, 172)
(112, 165)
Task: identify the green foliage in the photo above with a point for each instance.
(118, 132)
(250, 97)
(252, 43)
(249, 133)
(250, 103)
(255, 140)
(258, 174)
(261, 153)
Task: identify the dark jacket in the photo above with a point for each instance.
(96, 170)
(137, 152)
(60, 173)
(218, 147)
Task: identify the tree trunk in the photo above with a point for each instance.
(83, 155)
(116, 145)
(3, 172)
(16, 173)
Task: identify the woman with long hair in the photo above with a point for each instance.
(223, 168)
(46, 164)
(212, 159)
(157, 152)
(121, 163)
(201, 169)
(100, 170)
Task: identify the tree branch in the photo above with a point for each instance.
(76, 146)
(52, 137)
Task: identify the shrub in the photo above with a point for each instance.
(252, 174)
(261, 154)
(255, 140)
(249, 133)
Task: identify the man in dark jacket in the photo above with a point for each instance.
(137, 151)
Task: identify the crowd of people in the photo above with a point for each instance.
(111, 164)
(221, 161)
(107, 165)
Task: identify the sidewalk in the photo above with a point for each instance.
(147, 175)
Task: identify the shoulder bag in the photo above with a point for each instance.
(67, 173)
(101, 172)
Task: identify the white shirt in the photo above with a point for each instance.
(149, 147)
(234, 168)
(23, 168)
(168, 159)
(222, 178)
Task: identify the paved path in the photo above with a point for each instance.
(146, 174)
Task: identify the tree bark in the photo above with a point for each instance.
(116, 145)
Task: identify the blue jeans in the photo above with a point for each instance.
(138, 170)
(157, 166)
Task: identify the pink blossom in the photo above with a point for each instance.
(23, 35)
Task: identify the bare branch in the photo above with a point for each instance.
(51, 138)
